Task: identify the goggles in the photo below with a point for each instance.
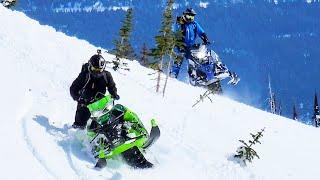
(189, 17)
(96, 70)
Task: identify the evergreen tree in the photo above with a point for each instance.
(165, 41)
(316, 114)
(295, 114)
(246, 152)
(279, 109)
(123, 48)
(272, 99)
(144, 60)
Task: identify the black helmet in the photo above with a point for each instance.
(97, 64)
(190, 11)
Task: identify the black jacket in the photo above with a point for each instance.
(86, 86)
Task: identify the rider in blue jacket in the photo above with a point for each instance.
(190, 28)
(190, 31)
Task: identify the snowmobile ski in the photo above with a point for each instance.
(101, 163)
(154, 134)
(135, 159)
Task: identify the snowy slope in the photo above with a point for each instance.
(38, 66)
(254, 38)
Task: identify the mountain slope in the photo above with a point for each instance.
(254, 38)
(39, 64)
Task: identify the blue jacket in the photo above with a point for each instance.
(190, 32)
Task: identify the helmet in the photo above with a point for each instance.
(190, 11)
(96, 64)
(188, 15)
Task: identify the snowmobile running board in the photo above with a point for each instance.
(154, 135)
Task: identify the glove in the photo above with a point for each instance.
(206, 42)
(205, 39)
(82, 101)
(116, 97)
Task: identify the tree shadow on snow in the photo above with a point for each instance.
(236, 160)
(51, 129)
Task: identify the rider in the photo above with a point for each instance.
(90, 84)
(190, 30)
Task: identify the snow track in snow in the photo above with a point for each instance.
(34, 151)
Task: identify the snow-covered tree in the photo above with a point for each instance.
(246, 152)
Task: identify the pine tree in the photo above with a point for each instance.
(123, 48)
(272, 99)
(279, 109)
(316, 114)
(165, 39)
(246, 152)
(144, 60)
(295, 114)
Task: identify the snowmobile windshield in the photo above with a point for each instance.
(200, 54)
(214, 55)
(101, 105)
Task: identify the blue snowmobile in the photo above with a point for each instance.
(205, 68)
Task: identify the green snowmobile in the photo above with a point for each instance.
(116, 130)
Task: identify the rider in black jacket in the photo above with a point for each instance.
(90, 84)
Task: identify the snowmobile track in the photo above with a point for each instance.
(33, 150)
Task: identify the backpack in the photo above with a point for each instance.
(85, 69)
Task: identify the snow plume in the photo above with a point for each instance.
(175, 5)
(204, 4)
(39, 64)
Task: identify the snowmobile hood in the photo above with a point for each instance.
(101, 104)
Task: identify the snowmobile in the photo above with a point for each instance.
(8, 3)
(206, 68)
(116, 130)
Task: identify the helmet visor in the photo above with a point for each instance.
(189, 17)
(99, 66)
(96, 70)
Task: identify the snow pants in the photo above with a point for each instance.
(82, 115)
